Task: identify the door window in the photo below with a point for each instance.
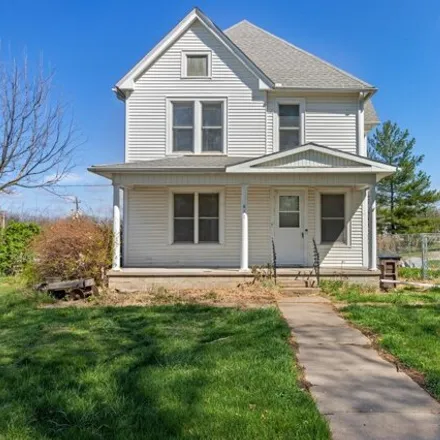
(288, 212)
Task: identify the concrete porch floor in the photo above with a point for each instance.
(138, 279)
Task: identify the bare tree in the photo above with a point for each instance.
(37, 138)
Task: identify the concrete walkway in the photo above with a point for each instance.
(361, 394)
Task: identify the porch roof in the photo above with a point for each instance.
(309, 158)
(182, 163)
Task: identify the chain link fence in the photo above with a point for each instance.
(420, 254)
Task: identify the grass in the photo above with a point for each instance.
(414, 273)
(411, 333)
(406, 323)
(163, 372)
(352, 293)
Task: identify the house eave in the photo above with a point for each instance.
(310, 170)
(369, 91)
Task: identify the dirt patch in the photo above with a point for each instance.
(243, 296)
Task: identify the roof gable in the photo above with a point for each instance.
(287, 65)
(128, 81)
(311, 158)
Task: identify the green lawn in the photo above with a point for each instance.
(407, 324)
(168, 372)
(352, 293)
(411, 333)
(412, 273)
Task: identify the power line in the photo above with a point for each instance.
(84, 185)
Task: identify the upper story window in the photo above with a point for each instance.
(197, 126)
(183, 126)
(196, 64)
(212, 126)
(290, 124)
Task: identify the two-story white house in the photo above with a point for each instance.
(237, 143)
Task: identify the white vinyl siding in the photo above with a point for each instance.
(330, 120)
(146, 135)
(310, 159)
(148, 232)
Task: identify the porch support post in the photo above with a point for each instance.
(244, 260)
(116, 265)
(372, 238)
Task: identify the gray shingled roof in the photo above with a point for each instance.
(370, 115)
(288, 65)
(176, 163)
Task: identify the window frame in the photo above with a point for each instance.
(198, 124)
(280, 211)
(196, 192)
(184, 64)
(212, 127)
(193, 128)
(346, 241)
(289, 101)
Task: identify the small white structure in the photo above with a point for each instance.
(237, 141)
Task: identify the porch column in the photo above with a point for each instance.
(372, 238)
(116, 265)
(244, 260)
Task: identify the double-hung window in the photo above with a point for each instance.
(289, 117)
(196, 217)
(183, 126)
(212, 126)
(333, 218)
(198, 126)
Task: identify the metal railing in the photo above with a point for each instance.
(316, 262)
(274, 261)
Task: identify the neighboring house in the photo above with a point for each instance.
(235, 139)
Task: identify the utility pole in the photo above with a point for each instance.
(77, 211)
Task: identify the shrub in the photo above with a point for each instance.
(15, 249)
(77, 247)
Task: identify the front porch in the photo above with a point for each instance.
(180, 214)
(141, 279)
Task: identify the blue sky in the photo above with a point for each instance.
(391, 44)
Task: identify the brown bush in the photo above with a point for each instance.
(75, 247)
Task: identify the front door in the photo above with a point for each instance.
(289, 228)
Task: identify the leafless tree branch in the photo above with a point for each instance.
(36, 135)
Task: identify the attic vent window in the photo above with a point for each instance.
(196, 65)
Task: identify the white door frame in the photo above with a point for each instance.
(302, 192)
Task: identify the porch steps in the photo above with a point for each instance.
(295, 286)
(294, 291)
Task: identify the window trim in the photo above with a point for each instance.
(193, 127)
(346, 242)
(184, 64)
(196, 191)
(286, 101)
(198, 124)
